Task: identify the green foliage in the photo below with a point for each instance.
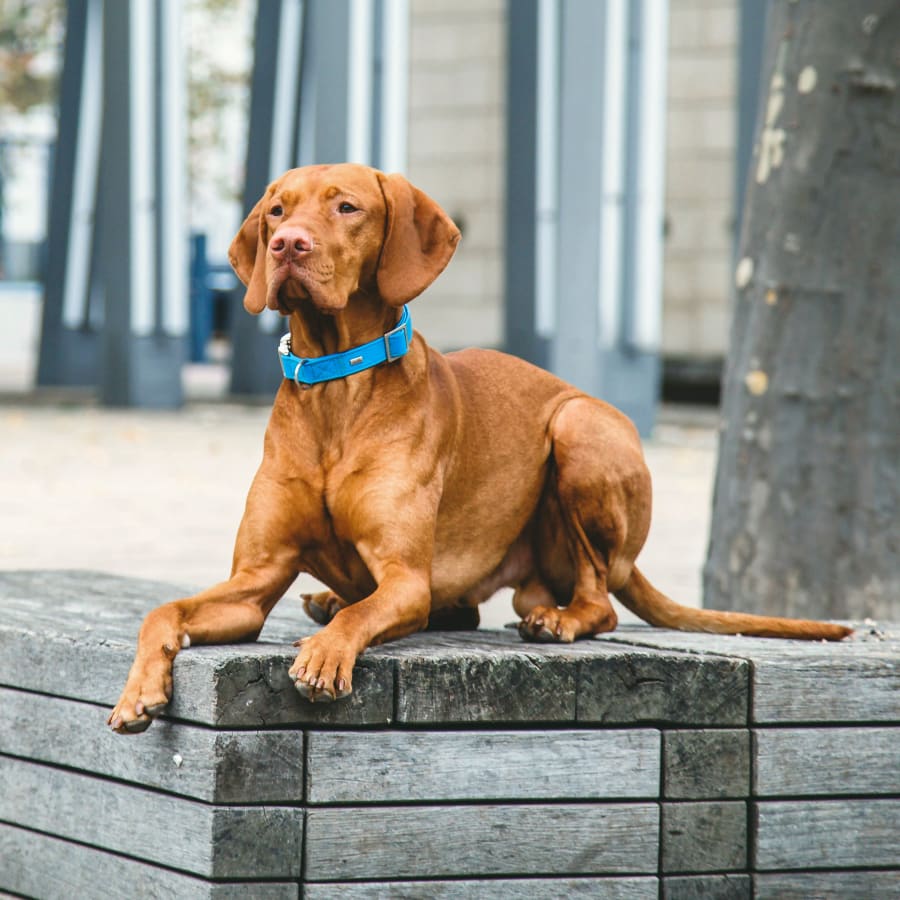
(30, 38)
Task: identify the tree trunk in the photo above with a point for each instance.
(806, 515)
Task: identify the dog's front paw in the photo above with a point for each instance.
(546, 624)
(146, 694)
(323, 669)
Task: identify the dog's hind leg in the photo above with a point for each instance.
(601, 505)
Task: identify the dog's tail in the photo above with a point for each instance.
(656, 608)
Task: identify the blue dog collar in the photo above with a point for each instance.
(387, 348)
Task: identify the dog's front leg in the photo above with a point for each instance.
(323, 669)
(233, 611)
(266, 562)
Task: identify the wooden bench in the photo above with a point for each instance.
(465, 765)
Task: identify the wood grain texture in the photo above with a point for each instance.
(704, 836)
(644, 686)
(87, 624)
(483, 685)
(215, 766)
(707, 887)
(827, 885)
(848, 689)
(392, 767)
(248, 685)
(215, 842)
(826, 761)
(470, 841)
(37, 865)
(639, 888)
(834, 834)
(855, 680)
(701, 764)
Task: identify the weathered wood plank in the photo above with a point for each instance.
(705, 764)
(638, 888)
(707, 887)
(855, 680)
(483, 685)
(444, 841)
(808, 761)
(37, 865)
(87, 623)
(705, 836)
(215, 842)
(636, 686)
(398, 766)
(248, 685)
(216, 766)
(867, 638)
(854, 688)
(836, 834)
(827, 885)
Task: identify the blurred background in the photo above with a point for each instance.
(593, 155)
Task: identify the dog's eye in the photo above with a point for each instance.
(347, 208)
(276, 211)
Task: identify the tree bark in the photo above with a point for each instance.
(806, 514)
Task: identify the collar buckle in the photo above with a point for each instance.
(400, 329)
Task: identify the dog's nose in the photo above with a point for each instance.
(290, 241)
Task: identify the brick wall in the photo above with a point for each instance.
(457, 154)
(699, 207)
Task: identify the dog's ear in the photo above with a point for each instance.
(419, 239)
(247, 255)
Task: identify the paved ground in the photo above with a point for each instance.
(160, 495)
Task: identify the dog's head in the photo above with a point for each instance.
(325, 233)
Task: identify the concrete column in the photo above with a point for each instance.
(584, 194)
(69, 349)
(145, 323)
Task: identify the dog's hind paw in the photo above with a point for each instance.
(322, 607)
(546, 625)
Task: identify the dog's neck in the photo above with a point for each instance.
(364, 318)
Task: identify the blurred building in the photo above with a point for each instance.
(456, 152)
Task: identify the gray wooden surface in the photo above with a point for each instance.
(673, 688)
(704, 836)
(707, 887)
(391, 767)
(37, 865)
(216, 766)
(638, 888)
(858, 885)
(835, 834)
(535, 740)
(87, 622)
(700, 764)
(826, 761)
(855, 680)
(215, 842)
(444, 841)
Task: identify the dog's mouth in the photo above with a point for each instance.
(286, 289)
(290, 284)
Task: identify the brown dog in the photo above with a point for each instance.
(418, 486)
